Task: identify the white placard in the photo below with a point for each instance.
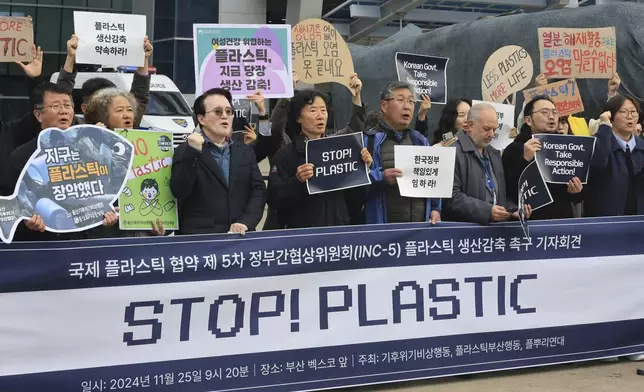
(110, 39)
(506, 122)
(426, 171)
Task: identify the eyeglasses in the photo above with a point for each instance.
(625, 113)
(58, 107)
(403, 100)
(219, 112)
(546, 112)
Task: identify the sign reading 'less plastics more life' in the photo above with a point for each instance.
(564, 157)
(506, 71)
(428, 75)
(110, 39)
(337, 163)
(16, 39)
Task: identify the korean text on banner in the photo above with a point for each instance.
(313, 309)
(16, 39)
(110, 39)
(243, 58)
(320, 54)
(563, 157)
(71, 181)
(506, 71)
(505, 114)
(578, 53)
(337, 163)
(565, 94)
(426, 171)
(147, 197)
(428, 75)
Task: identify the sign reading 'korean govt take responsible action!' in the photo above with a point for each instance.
(243, 59)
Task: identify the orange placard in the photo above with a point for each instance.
(565, 94)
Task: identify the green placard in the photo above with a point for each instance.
(146, 197)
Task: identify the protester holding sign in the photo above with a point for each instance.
(384, 203)
(479, 193)
(615, 185)
(217, 183)
(140, 80)
(287, 188)
(541, 118)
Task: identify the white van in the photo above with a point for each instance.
(167, 109)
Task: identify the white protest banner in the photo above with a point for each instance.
(110, 39)
(505, 114)
(427, 171)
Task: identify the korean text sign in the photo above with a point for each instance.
(578, 53)
(426, 171)
(110, 39)
(505, 114)
(317, 308)
(243, 59)
(146, 197)
(16, 39)
(565, 94)
(320, 54)
(506, 71)
(428, 75)
(337, 163)
(71, 180)
(563, 157)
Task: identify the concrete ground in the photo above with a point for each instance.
(591, 376)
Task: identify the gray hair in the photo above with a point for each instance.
(97, 108)
(476, 110)
(388, 91)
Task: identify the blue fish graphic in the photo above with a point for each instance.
(72, 179)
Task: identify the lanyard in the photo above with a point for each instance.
(488, 176)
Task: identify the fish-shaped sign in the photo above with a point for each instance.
(71, 181)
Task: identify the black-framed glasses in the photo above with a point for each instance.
(546, 112)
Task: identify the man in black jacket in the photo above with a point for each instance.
(540, 117)
(217, 182)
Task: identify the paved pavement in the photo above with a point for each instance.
(591, 376)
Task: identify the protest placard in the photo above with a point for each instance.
(71, 181)
(563, 157)
(426, 171)
(578, 53)
(16, 39)
(428, 75)
(565, 94)
(337, 163)
(506, 71)
(505, 113)
(110, 39)
(533, 190)
(243, 58)
(320, 54)
(146, 197)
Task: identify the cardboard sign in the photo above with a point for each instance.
(320, 54)
(426, 171)
(506, 71)
(563, 157)
(337, 163)
(505, 114)
(71, 181)
(110, 39)
(16, 39)
(578, 53)
(565, 94)
(243, 58)
(146, 197)
(428, 75)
